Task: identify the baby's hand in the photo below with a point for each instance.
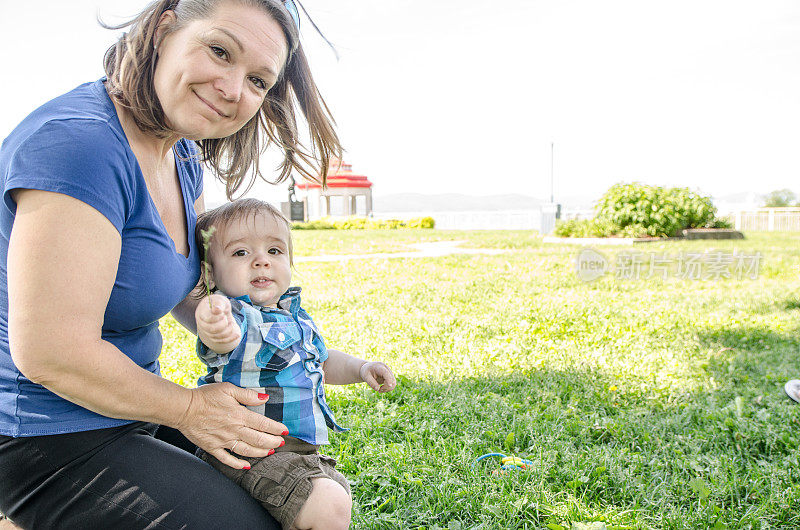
(378, 376)
(215, 324)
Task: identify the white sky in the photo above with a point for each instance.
(466, 96)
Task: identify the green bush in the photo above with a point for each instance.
(421, 222)
(582, 228)
(392, 224)
(350, 223)
(637, 210)
(375, 224)
(360, 223)
(723, 223)
(319, 224)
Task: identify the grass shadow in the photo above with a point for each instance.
(600, 453)
(751, 359)
(792, 304)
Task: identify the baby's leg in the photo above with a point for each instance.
(327, 508)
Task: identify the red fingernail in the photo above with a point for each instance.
(285, 433)
(246, 467)
(283, 442)
(263, 396)
(271, 451)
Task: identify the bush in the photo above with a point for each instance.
(582, 228)
(360, 223)
(421, 222)
(375, 224)
(350, 223)
(637, 210)
(319, 224)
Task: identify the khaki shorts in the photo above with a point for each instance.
(282, 482)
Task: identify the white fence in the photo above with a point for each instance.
(756, 220)
(489, 220)
(541, 220)
(766, 219)
(475, 219)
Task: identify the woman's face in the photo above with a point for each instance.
(212, 75)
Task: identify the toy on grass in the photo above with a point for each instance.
(507, 463)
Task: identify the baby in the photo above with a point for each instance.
(252, 332)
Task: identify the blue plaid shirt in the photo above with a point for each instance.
(281, 353)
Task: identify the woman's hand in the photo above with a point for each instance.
(378, 376)
(216, 326)
(216, 421)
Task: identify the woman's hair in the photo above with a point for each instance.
(130, 67)
(240, 209)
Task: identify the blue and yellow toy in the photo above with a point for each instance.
(507, 463)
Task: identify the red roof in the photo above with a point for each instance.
(340, 175)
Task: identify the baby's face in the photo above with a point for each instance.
(250, 256)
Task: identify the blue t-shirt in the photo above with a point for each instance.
(75, 145)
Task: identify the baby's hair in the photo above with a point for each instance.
(244, 209)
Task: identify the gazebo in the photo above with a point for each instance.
(341, 182)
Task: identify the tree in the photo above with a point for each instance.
(780, 198)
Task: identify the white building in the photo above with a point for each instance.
(352, 192)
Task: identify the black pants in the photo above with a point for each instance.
(120, 478)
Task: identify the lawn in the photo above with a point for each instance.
(644, 403)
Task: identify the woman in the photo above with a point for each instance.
(101, 190)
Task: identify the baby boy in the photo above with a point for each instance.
(253, 332)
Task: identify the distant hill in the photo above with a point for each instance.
(451, 202)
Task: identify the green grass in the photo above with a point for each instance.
(328, 242)
(644, 404)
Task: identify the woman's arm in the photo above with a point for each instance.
(184, 311)
(343, 369)
(62, 263)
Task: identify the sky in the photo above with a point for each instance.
(467, 96)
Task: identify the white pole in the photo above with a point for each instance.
(552, 148)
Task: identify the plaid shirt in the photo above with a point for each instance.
(281, 353)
